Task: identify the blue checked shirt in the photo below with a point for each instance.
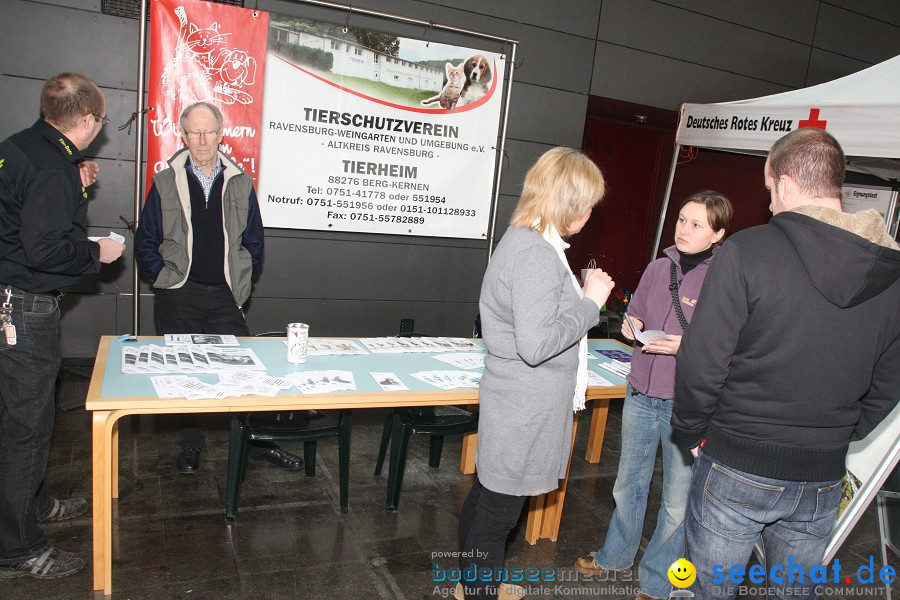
(205, 182)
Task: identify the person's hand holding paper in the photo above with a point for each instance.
(644, 337)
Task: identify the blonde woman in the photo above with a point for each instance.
(534, 319)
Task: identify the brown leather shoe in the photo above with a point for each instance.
(586, 566)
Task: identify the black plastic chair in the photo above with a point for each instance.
(401, 423)
(295, 426)
(436, 422)
(305, 426)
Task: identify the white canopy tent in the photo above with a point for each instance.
(861, 110)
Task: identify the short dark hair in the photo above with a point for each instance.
(718, 208)
(68, 97)
(812, 158)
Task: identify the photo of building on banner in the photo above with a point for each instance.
(205, 52)
(368, 132)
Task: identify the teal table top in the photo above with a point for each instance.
(272, 353)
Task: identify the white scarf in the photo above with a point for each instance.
(554, 239)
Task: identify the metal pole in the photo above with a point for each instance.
(665, 206)
(138, 164)
(496, 200)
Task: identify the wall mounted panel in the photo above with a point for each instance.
(856, 36)
(796, 20)
(679, 34)
(642, 78)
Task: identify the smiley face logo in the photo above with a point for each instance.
(682, 573)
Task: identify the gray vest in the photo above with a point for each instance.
(178, 239)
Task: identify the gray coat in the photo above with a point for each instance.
(531, 319)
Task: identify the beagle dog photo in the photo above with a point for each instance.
(478, 78)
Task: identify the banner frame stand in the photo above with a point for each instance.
(500, 148)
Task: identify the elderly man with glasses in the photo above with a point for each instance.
(200, 239)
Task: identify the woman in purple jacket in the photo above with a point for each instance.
(664, 300)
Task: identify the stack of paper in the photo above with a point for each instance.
(180, 339)
(394, 345)
(449, 380)
(188, 359)
(323, 382)
(389, 382)
(597, 380)
(181, 386)
(617, 368)
(252, 383)
(463, 360)
(323, 347)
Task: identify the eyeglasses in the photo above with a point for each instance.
(195, 135)
(103, 120)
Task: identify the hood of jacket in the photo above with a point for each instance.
(849, 258)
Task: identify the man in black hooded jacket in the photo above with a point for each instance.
(793, 353)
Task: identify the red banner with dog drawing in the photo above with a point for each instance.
(359, 130)
(205, 52)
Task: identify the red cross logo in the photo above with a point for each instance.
(812, 121)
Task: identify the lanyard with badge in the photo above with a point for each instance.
(9, 330)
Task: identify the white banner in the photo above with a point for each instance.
(861, 132)
(378, 143)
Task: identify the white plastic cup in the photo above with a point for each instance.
(297, 342)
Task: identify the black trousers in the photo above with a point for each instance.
(485, 521)
(197, 308)
(28, 373)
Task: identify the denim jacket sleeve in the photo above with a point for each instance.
(148, 237)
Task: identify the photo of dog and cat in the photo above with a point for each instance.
(465, 83)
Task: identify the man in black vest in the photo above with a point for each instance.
(200, 240)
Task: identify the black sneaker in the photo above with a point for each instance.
(62, 510)
(51, 564)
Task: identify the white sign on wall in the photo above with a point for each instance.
(855, 198)
(378, 143)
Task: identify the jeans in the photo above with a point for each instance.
(485, 521)
(28, 372)
(197, 308)
(645, 426)
(728, 510)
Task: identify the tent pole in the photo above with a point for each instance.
(665, 205)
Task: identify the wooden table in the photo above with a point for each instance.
(113, 395)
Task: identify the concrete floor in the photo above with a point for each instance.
(291, 541)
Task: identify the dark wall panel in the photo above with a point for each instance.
(544, 114)
(883, 10)
(703, 40)
(578, 17)
(857, 36)
(345, 318)
(84, 318)
(826, 66)
(635, 76)
(796, 20)
(317, 268)
(60, 39)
